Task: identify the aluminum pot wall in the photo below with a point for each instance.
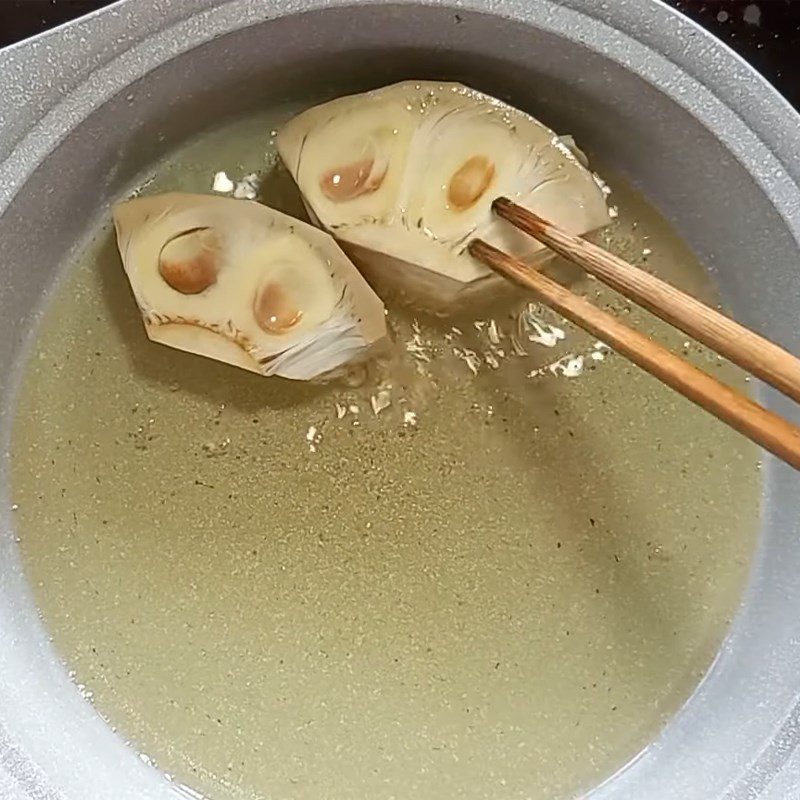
(85, 107)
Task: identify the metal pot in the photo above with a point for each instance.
(85, 106)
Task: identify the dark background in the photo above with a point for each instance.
(765, 32)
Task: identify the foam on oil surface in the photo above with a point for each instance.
(506, 600)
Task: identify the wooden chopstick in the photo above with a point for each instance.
(743, 347)
(772, 432)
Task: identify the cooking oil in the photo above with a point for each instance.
(499, 585)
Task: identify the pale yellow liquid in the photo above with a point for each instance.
(505, 601)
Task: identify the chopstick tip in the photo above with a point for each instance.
(473, 248)
(500, 203)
